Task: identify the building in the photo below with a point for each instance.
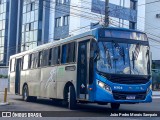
(4, 14)
(33, 26)
(24, 24)
(70, 17)
(34, 22)
(152, 28)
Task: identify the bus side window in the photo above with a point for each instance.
(30, 60)
(35, 60)
(22, 62)
(50, 57)
(40, 59)
(12, 65)
(64, 54)
(71, 52)
(56, 55)
(25, 62)
(45, 57)
(68, 53)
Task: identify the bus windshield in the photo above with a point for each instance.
(123, 58)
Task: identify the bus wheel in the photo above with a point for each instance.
(115, 105)
(72, 98)
(25, 94)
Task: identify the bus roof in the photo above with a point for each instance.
(58, 42)
(72, 38)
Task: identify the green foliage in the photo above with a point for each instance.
(3, 76)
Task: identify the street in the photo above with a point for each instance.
(86, 110)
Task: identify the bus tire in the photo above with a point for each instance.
(115, 106)
(72, 103)
(25, 94)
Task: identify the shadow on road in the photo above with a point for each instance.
(80, 106)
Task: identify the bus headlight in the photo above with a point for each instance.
(149, 88)
(104, 86)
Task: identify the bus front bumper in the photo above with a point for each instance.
(121, 97)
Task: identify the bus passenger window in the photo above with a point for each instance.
(56, 55)
(12, 65)
(35, 60)
(45, 58)
(68, 53)
(25, 62)
(50, 57)
(40, 59)
(30, 60)
(64, 54)
(71, 52)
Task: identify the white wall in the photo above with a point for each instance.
(152, 26)
(141, 15)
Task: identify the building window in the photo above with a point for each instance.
(66, 1)
(157, 15)
(28, 7)
(32, 6)
(32, 26)
(66, 20)
(132, 25)
(58, 22)
(133, 4)
(58, 2)
(27, 27)
(0, 33)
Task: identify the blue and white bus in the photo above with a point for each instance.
(104, 65)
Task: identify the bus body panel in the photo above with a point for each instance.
(65, 73)
(102, 95)
(48, 83)
(33, 81)
(12, 82)
(22, 80)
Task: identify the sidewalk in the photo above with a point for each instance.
(156, 93)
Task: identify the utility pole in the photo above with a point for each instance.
(106, 13)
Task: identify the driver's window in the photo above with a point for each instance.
(93, 48)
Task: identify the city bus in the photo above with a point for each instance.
(104, 65)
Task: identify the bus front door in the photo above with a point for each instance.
(82, 70)
(17, 76)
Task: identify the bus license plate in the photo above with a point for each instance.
(131, 97)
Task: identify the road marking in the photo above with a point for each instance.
(155, 97)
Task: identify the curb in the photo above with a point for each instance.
(2, 104)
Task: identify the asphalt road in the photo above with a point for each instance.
(91, 111)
